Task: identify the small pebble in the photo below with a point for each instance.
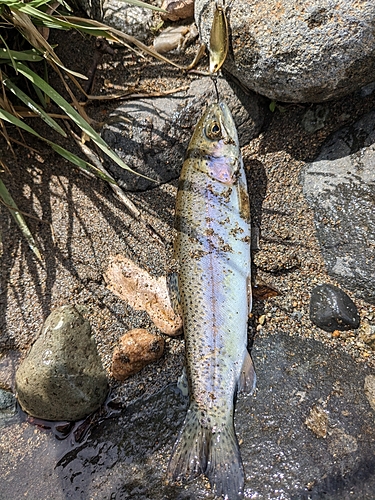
(262, 319)
(317, 421)
(137, 349)
(331, 309)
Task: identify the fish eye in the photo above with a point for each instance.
(213, 130)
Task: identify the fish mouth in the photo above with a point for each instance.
(227, 124)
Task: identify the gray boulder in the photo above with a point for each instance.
(155, 141)
(340, 187)
(118, 14)
(295, 51)
(62, 377)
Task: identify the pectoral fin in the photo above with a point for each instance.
(247, 380)
(249, 294)
(182, 383)
(174, 294)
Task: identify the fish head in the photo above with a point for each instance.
(215, 141)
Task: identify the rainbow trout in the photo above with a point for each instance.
(213, 293)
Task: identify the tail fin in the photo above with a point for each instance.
(205, 448)
(190, 452)
(224, 468)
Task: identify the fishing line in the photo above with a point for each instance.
(214, 81)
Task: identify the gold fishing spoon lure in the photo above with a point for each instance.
(219, 40)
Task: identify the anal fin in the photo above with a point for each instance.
(248, 377)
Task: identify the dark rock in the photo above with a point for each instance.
(62, 377)
(331, 309)
(155, 142)
(340, 187)
(295, 51)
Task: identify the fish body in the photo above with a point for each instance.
(212, 249)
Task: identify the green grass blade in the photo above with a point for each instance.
(32, 10)
(60, 101)
(63, 23)
(33, 106)
(40, 95)
(21, 16)
(82, 164)
(74, 115)
(4, 115)
(18, 217)
(8, 53)
(45, 19)
(26, 55)
(145, 5)
(39, 3)
(65, 5)
(10, 3)
(76, 160)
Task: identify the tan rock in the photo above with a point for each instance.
(369, 388)
(175, 38)
(143, 293)
(317, 421)
(178, 9)
(137, 349)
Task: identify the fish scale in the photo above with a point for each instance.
(212, 249)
